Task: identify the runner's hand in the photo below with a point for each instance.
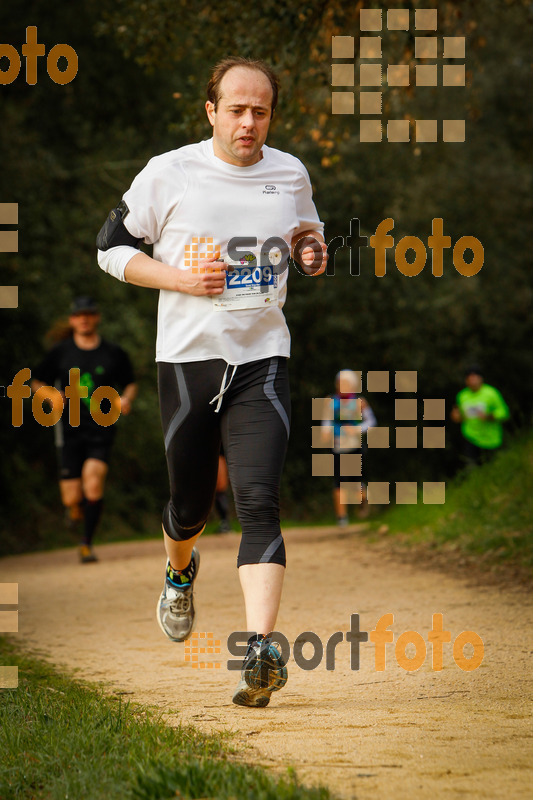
(456, 415)
(207, 279)
(125, 405)
(311, 255)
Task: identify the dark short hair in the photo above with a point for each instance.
(473, 369)
(220, 69)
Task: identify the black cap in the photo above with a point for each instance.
(84, 304)
(473, 369)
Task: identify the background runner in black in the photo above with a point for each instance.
(83, 451)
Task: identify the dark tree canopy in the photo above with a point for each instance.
(69, 152)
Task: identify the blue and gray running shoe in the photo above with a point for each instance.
(263, 672)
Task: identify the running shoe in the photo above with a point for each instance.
(86, 554)
(175, 609)
(263, 672)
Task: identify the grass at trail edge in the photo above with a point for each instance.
(488, 511)
(62, 739)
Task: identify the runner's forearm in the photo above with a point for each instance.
(130, 392)
(303, 234)
(142, 270)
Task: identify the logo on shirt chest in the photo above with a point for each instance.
(270, 189)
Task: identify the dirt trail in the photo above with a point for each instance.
(365, 734)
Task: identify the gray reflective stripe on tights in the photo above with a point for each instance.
(271, 549)
(183, 410)
(271, 393)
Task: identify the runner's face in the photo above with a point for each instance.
(242, 118)
(474, 381)
(84, 324)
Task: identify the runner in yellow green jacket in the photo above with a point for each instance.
(481, 410)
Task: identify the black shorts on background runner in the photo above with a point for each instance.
(80, 445)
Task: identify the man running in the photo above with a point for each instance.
(84, 450)
(481, 411)
(222, 342)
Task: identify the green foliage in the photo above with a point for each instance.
(69, 152)
(221, 780)
(488, 510)
(60, 738)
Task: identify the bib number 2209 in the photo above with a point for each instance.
(250, 276)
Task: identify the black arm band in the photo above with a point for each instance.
(113, 232)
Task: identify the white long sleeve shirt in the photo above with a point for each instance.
(189, 197)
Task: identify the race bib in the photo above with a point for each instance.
(249, 284)
(475, 411)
